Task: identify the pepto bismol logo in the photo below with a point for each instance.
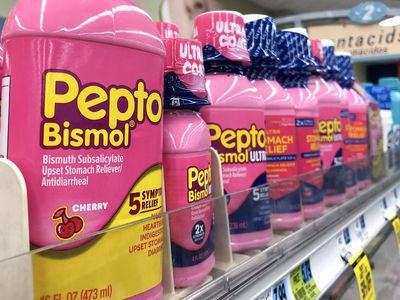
(237, 146)
(199, 183)
(330, 131)
(92, 116)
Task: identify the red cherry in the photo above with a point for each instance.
(77, 222)
(65, 231)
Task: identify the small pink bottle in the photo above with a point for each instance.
(187, 178)
(358, 130)
(293, 75)
(236, 122)
(187, 163)
(330, 129)
(279, 117)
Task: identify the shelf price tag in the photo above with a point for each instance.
(302, 282)
(280, 291)
(363, 273)
(396, 226)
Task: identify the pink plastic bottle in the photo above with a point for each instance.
(187, 170)
(236, 122)
(358, 130)
(87, 79)
(331, 77)
(279, 117)
(330, 129)
(187, 163)
(293, 76)
(167, 30)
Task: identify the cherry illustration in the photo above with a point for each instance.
(69, 226)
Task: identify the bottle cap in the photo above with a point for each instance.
(167, 30)
(223, 36)
(184, 79)
(391, 82)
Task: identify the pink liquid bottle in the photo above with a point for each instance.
(187, 163)
(279, 117)
(331, 77)
(329, 98)
(293, 75)
(236, 122)
(358, 130)
(89, 83)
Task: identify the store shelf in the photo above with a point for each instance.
(322, 242)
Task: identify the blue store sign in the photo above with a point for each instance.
(368, 12)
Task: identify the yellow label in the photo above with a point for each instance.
(302, 283)
(116, 265)
(396, 226)
(363, 272)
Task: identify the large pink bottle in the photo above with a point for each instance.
(330, 128)
(236, 122)
(187, 164)
(87, 78)
(279, 117)
(293, 75)
(358, 129)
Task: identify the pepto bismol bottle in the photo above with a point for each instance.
(187, 163)
(236, 122)
(90, 80)
(330, 127)
(279, 117)
(358, 128)
(293, 75)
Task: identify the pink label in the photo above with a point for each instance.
(94, 130)
(330, 133)
(225, 32)
(188, 181)
(358, 135)
(281, 151)
(239, 137)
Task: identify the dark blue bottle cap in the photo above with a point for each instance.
(261, 43)
(345, 75)
(297, 62)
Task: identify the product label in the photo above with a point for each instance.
(350, 168)
(308, 147)
(330, 132)
(282, 164)
(239, 138)
(358, 142)
(188, 181)
(91, 158)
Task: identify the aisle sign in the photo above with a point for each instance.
(302, 282)
(360, 40)
(396, 226)
(362, 270)
(368, 12)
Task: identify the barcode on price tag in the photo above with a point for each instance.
(396, 226)
(363, 272)
(302, 282)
